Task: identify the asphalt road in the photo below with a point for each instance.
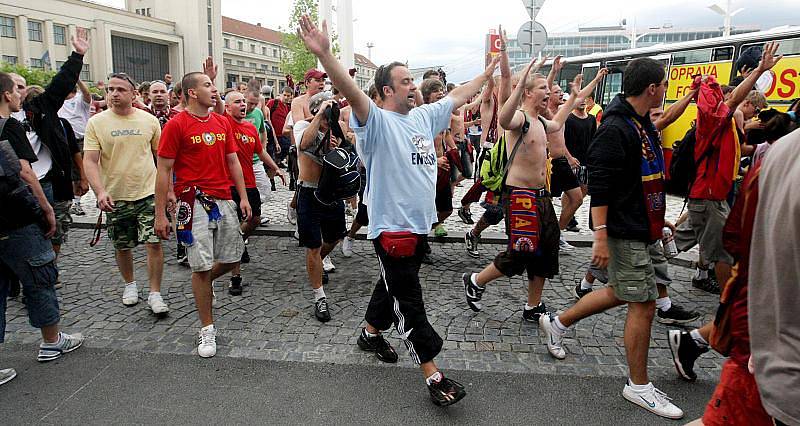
(107, 386)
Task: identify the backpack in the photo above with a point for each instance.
(20, 206)
(495, 165)
(683, 167)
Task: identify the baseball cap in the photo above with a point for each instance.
(317, 100)
(314, 73)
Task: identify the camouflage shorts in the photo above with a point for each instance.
(132, 223)
(63, 221)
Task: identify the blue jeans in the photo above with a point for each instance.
(26, 254)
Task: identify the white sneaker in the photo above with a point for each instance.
(327, 264)
(66, 343)
(563, 245)
(156, 303)
(291, 214)
(207, 341)
(347, 246)
(653, 400)
(7, 374)
(552, 338)
(130, 296)
(264, 221)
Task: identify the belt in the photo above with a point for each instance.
(308, 185)
(540, 192)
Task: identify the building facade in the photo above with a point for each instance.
(365, 71)
(252, 51)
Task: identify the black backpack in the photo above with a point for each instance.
(683, 167)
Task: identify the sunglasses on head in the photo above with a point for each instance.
(123, 76)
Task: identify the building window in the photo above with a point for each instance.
(275, 52)
(264, 50)
(253, 65)
(227, 43)
(210, 49)
(264, 67)
(208, 3)
(59, 64)
(252, 48)
(227, 61)
(37, 63)
(275, 69)
(240, 45)
(85, 76)
(60, 35)
(240, 63)
(34, 31)
(10, 59)
(8, 26)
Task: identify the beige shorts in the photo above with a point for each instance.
(707, 218)
(217, 241)
(630, 271)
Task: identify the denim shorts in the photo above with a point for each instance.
(26, 254)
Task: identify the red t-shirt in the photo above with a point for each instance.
(199, 149)
(248, 142)
(277, 114)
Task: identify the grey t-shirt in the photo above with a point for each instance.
(774, 290)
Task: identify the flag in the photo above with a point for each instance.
(46, 58)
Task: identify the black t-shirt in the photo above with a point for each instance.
(14, 133)
(578, 132)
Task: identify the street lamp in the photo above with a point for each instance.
(727, 15)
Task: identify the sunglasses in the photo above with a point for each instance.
(123, 76)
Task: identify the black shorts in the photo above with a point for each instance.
(562, 178)
(544, 264)
(361, 216)
(317, 222)
(444, 198)
(252, 196)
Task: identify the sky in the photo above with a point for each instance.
(450, 33)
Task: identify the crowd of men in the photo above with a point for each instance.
(181, 158)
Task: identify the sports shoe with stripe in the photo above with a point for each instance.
(7, 374)
(652, 400)
(553, 339)
(472, 293)
(445, 391)
(66, 343)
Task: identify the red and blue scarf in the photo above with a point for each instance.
(655, 200)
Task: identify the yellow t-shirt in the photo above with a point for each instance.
(126, 144)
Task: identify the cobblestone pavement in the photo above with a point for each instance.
(274, 320)
(275, 210)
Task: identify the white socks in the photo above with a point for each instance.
(474, 279)
(434, 378)
(558, 327)
(639, 388)
(319, 293)
(698, 338)
(663, 303)
(585, 285)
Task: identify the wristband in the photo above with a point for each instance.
(599, 227)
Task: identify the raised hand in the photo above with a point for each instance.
(557, 64)
(80, 43)
(492, 65)
(210, 68)
(768, 59)
(503, 38)
(316, 41)
(576, 85)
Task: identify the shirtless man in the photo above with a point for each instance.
(315, 82)
(563, 177)
(459, 139)
(530, 218)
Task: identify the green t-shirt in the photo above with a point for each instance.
(256, 117)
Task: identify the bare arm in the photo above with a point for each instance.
(310, 133)
(235, 168)
(91, 165)
(554, 70)
(163, 183)
(675, 110)
(768, 60)
(505, 69)
(319, 44)
(85, 93)
(462, 93)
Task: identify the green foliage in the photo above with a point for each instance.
(299, 60)
(32, 76)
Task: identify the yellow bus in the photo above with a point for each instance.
(713, 56)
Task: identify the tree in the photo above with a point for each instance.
(299, 60)
(34, 77)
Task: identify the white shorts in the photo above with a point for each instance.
(217, 241)
(262, 183)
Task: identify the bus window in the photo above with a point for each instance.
(691, 57)
(789, 47)
(568, 74)
(722, 54)
(613, 86)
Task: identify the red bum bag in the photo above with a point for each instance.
(399, 244)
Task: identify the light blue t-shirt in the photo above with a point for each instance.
(398, 153)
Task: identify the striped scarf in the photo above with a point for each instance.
(652, 180)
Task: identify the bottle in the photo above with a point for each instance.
(668, 243)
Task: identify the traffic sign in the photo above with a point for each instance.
(532, 38)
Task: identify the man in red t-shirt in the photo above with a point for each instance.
(199, 147)
(249, 144)
(278, 111)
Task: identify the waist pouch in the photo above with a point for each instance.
(399, 244)
(523, 221)
(339, 178)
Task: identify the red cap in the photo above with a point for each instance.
(314, 73)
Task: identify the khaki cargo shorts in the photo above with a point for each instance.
(630, 271)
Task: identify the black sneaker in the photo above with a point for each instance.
(292, 185)
(532, 315)
(685, 352)
(579, 292)
(378, 344)
(465, 215)
(471, 243)
(472, 293)
(446, 392)
(272, 185)
(676, 314)
(708, 284)
(426, 259)
(235, 287)
(245, 256)
(573, 226)
(183, 260)
(321, 310)
(324, 277)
